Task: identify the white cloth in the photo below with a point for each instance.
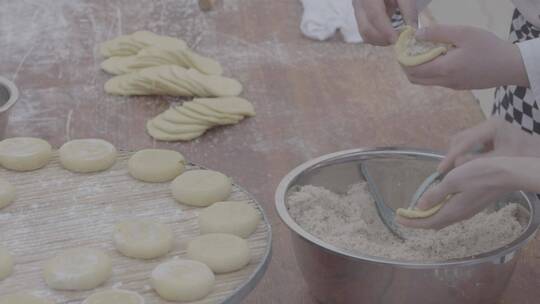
(322, 18)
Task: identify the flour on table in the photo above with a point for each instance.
(351, 222)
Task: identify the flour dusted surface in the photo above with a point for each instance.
(351, 222)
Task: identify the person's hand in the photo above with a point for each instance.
(374, 19)
(478, 60)
(474, 185)
(497, 137)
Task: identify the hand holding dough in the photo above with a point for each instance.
(77, 269)
(172, 80)
(24, 153)
(126, 45)
(412, 52)
(182, 280)
(87, 155)
(155, 56)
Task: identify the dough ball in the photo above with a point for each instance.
(221, 252)
(156, 165)
(115, 296)
(7, 193)
(24, 153)
(201, 187)
(87, 155)
(78, 269)
(182, 280)
(143, 239)
(23, 298)
(6, 263)
(237, 218)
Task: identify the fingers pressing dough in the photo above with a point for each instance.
(201, 188)
(412, 52)
(23, 298)
(126, 45)
(114, 296)
(221, 252)
(7, 193)
(172, 80)
(77, 269)
(87, 155)
(419, 214)
(6, 263)
(155, 56)
(155, 165)
(24, 153)
(193, 118)
(237, 218)
(182, 280)
(143, 239)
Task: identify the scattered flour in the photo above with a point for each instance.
(351, 222)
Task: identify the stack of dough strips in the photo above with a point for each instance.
(149, 64)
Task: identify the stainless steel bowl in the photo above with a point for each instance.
(336, 276)
(8, 96)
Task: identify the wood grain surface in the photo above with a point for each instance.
(56, 209)
(311, 97)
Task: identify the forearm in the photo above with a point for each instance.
(521, 173)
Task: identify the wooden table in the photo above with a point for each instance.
(311, 98)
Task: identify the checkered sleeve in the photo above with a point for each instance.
(530, 52)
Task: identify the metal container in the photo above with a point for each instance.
(337, 276)
(8, 96)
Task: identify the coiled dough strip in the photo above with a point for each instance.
(127, 45)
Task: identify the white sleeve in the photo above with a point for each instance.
(530, 53)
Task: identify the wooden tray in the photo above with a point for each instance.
(56, 209)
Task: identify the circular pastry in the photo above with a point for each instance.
(237, 218)
(6, 263)
(24, 153)
(201, 188)
(156, 165)
(221, 252)
(87, 155)
(143, 239)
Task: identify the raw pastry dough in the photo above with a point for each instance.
(156, 56)
(221, 252)
(411, 52)
(182, 280)
(6, 263)
(143, 239)
(114, 296)
(193, 118)
(23, 298)
(126, 45)
(201, 187)
(7, 193)
(87, 155)
(237, 218)
(155, 165)
(172, 80)
(418, 214)
(77, 269)
(24, 153)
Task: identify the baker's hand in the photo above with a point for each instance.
(374, 19)
(497, 137)
(473, 185)
(478, 60)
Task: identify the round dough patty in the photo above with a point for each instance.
(115, 296)
(6, 263)
(143, 239)
(7, 193)
(156, 165)
(77, 269)
(23, 298)
(24, 153)
(220, 252)
(201, 187)
(182, 280)
(87, 155)
(237, 218)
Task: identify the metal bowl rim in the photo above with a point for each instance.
(494, 256)
(13, 93)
